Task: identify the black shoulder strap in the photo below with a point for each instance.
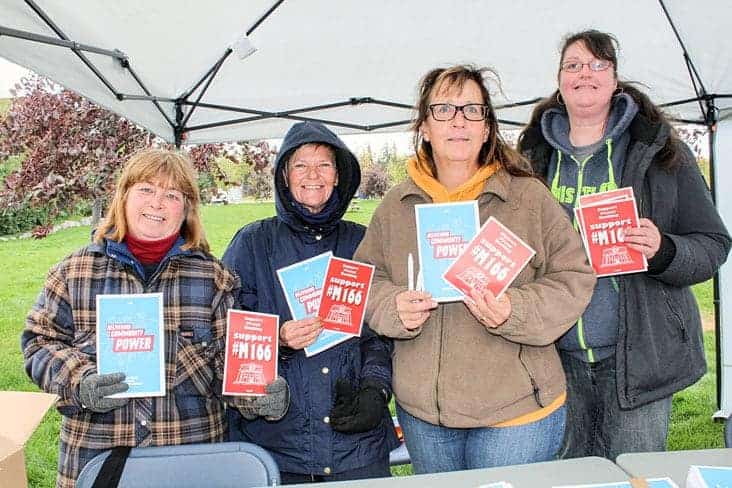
(111, 470)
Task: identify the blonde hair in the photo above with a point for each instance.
(175, 169)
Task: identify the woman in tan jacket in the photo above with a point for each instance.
(478, 382)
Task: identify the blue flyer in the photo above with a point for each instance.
(443, 231)
(709, 477)
(131, 339)
(302, 284)
(651, 482)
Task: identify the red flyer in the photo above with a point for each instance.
(620, 194)
(345, 292)
(491, 260)
(250, 363)
(603, 229)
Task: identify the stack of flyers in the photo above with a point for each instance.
(491, 261)
(250, 362)
(443, 231)
(602, 219)
(131, 339)
(302, 284)
(709, 477)
(345, 293)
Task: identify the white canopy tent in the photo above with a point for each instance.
(220, 71)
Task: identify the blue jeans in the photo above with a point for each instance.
(596, 425)
(436, 449)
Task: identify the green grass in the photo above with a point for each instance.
(27, 261)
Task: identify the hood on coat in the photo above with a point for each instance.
(349, 175)
(555, 123)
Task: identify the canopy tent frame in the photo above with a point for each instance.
(180, 126)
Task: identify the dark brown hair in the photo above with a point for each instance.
(605, 46)
(495, 147)
(601, 45)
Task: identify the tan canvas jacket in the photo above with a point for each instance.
(453, 371)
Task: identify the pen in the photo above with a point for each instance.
(410, 272)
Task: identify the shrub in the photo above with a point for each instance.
(21, 217)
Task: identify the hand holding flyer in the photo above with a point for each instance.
(491, 261)
(250, 361)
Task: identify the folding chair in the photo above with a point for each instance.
(219, 465)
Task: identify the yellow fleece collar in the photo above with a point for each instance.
(420, 172)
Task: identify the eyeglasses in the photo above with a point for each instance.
(447, 111)
(148, 190)
(594, 65)
(301, 168)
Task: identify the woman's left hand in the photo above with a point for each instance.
(645, 239)
(489, 310)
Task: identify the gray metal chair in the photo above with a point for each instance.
(220, 465)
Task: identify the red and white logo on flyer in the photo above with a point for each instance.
(250, 363)
(491, 261)
(345, 292)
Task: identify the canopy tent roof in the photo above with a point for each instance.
(352, 64)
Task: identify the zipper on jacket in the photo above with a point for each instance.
(534, 387)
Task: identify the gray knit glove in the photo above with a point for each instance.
(95, 387)
(272, 406)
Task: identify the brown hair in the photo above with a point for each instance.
(176, 170)
(495, 147)
(603, 45)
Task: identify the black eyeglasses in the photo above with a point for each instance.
(447, 111)
(594, 65)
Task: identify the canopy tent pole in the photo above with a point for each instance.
(720, 152)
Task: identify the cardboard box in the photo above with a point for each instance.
(20, 414)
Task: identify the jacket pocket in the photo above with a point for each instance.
(532, 380)
(194, 361)
(673, 315)
(86, 342)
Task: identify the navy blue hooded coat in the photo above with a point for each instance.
(303, 441)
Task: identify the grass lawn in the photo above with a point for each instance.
(27, 261)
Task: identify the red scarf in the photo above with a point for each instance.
(150, 252)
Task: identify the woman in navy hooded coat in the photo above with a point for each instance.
(338, 425)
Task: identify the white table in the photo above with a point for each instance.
(538, 475)
(674, 464)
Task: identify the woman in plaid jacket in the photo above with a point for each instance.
(151, 241)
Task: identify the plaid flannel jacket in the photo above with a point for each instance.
(59, 347)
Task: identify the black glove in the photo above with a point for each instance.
(95, 387)
(357, 411)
